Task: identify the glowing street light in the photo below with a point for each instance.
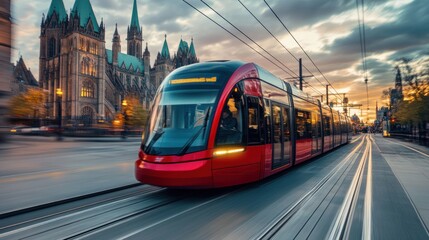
(124, 105)
(59, 99)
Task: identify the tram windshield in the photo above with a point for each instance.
(179, 121)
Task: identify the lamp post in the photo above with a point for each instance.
(124, 132)
(59, 96)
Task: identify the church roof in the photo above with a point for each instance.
(165, 52)
(135, 17)
(192, 49)
(84, 9)
(23, 74)
(127, 60)
(58, 7)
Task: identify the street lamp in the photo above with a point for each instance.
(59, 96)
(124, 105)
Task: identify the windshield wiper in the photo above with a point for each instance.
(158, 134)
(192, 139)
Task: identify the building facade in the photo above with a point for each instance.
(93, 79)
(5, 65)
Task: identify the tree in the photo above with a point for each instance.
(133, 113)
(415, 107)
(29, 104)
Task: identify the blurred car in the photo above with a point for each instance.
(49, 129)
(22, 129)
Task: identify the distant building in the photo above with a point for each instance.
(396, 94)
(94, 79)
(22, 78)
(5, 65)
(355, 119)
(382, 114)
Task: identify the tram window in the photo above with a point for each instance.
(253, 129)
(286, 131)
(327, 127)
(303, 124)
(230, 130)
(316, 124)
(267, 119)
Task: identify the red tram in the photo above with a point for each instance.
(224, 123)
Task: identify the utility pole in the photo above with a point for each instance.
(300, 74)
(327, 94)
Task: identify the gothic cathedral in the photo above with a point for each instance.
(93, 79)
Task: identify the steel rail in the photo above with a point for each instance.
(271, 229)
(342, 223)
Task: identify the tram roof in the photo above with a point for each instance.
(211, 74)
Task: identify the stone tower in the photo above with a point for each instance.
(72, 59)
(135, 35)
(50, 51)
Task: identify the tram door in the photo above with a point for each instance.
(281, 135)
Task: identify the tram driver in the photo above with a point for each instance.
(229, 130)
(228, 122)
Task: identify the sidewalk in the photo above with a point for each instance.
(410, 164)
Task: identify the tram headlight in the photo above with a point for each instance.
(220, 152)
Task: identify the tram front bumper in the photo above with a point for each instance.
(195, 174)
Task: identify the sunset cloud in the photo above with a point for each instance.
(328, 30)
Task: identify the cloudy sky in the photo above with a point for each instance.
(327, 30)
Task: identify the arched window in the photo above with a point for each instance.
(51, 47)
(87, 89)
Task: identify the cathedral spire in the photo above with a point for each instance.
(57, 6)
(192, 49)
(135, 17)
(398, 82)
(146, 51)
(165, 52)
(116, 30)
(135, 35)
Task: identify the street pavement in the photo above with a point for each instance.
(37, 170)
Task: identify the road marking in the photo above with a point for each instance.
(367, 214)
(346, 210)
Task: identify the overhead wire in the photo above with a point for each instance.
(220, 15)
(279, 43)
(248, 37)
(362, 37)
(237, 37)
(329, 83)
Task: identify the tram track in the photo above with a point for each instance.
(137, 209)
(54, 222)
(271, 230)
(344, 219)
(100, 216)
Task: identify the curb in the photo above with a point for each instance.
(64, 201)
